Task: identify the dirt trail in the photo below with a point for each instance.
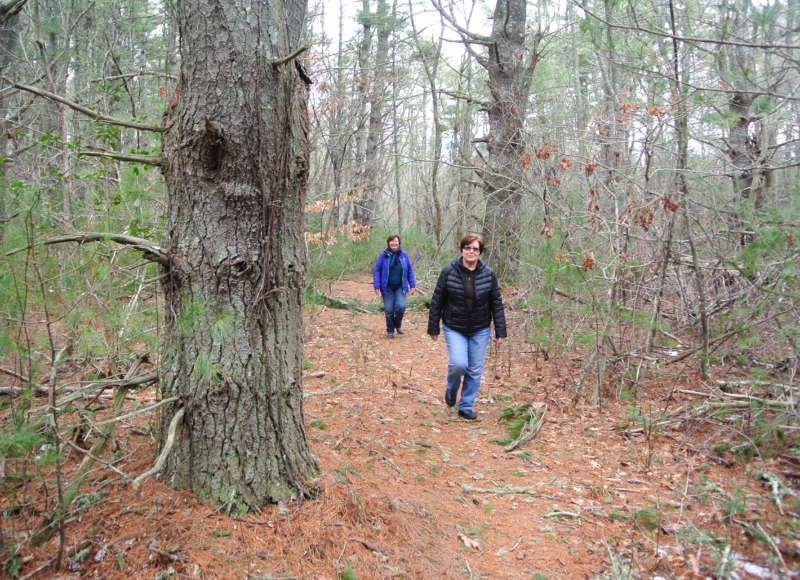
(409, 490)
(495, 511)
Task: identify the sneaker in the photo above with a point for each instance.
(466, 414)
(400, 331)
(450, 400)
(390, 335)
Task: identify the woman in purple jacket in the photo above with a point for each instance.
(393, 278)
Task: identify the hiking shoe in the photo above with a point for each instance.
(449, 399)
(467, 414)
(390, 335)
(400, 331)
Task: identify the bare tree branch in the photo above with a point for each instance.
(9, 8)
(466, 97)
(292, 56)
(151, 251)
(468, 38)
(14, 374)
(686, 38)
(155, 160)
(86, 111)
(451, 20)
(134, 74)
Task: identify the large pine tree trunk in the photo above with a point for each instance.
(238, 155)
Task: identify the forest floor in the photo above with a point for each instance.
(409, 490)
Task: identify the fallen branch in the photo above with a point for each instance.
(387, 460)
(696, 393)
(714, 344)
(507, 490)
(35, 571)
(333, 390)
(731, 404)
(162, 458)
(17, 391)
(340, 304)
(168, 555)
(722, 384)
(138, 411)
(710, 456)
(78, 393)
(774, 547)
(562, 514)
(777, 488)
(48, 526)
(740, 396)
(370, 546)
(516, 545)
(80, 449)
(14, 374)
(529, 430)
(118, 383)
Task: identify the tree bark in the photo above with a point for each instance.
(429, 55)
(463, 135)
(8, 47)
(747, 140)
(238, 153)
(510, 66)
(377, 94)
(363, 77)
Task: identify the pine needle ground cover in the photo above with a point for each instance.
(632, 488)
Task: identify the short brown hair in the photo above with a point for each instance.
(393, 236)
(468, 239)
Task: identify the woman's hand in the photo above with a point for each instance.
(377, 291)
(499, 340)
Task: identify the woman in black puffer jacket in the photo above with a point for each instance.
(466, 300)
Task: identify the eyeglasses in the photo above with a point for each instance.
(477, 250)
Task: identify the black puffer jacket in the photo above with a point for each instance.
(449, 306)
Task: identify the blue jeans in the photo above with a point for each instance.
(467, 355)
(394, 306)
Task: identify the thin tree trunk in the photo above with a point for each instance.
(8, 48)
(463, 130)
(396, 140)
(431, 66)
(373, 184)
(682, 135)
(363, 89)
(661, 285)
